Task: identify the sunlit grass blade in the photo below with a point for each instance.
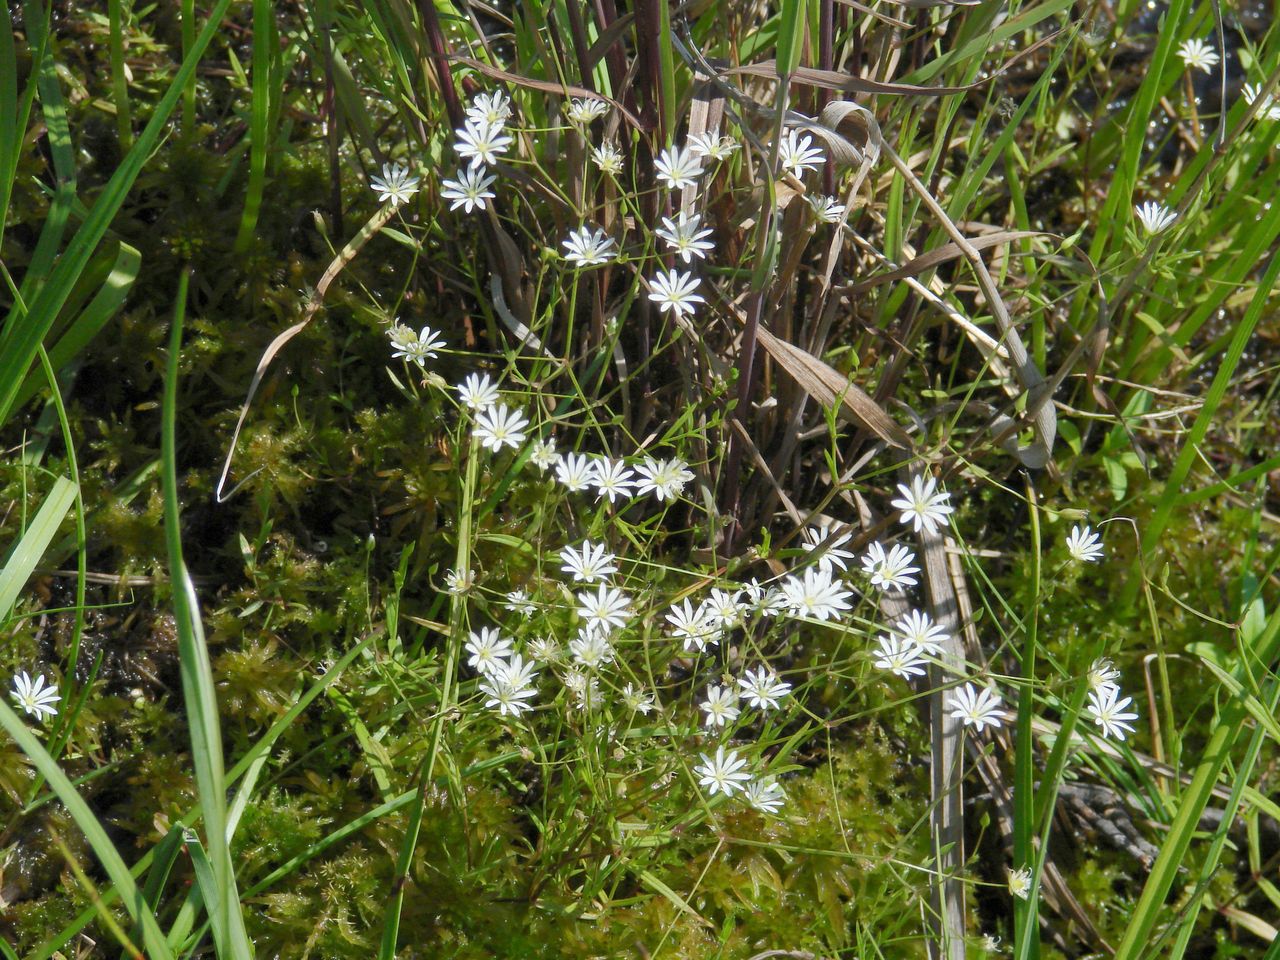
(264, 45)
(26, 553)
(198, 690)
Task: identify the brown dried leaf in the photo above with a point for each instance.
(830, 388)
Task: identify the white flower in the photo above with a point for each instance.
(470, 190)
(1084, 545)
(665, 479)
(827, 538)
(723, 773)
(488, 649)
(674, 290)
(1020, 883)
(499, 426)
(1103, 675)
(827, 209)
(1270, 108)
(607, 158)
(478, 392)
(636, 700)
(593, 562)
(416, 347)
(543, 453)
(543, 650)
(722, 608)
(592, 649)
(509, 686)
(492, 108)
(585, 110)
(712, 148)
(990, 943)
(588, 247)
(482, 143)
(920, 630)
(1196, 54)
(574, 471)
(1155, 217)
(922, 508)
(796, 155)
(1107, 709)
(762, 688)
(976, 708)
(890, 570)
(815, 595)
(459, 583)
(768, 601)
(899, 655)
(692, 627)
(607, 607)
(765, 795)
(678, 168)
(721, 706)
(33, 697)
(518, 602)
(584, 687)
(684, 238)
(395, 184)
(612, 478)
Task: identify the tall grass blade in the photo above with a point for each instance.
(26, 553)
(197, 676)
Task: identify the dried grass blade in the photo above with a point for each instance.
(831, 388)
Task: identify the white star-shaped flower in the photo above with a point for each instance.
(585, 110)
(712, 148)
(899, 655)
(395, 184)
(417, 347)
(612, 479)
(481, 143)
(509, 686)
(795, 154)
(722, 773)
(762, 689)
(976, 708)
(574, 471)
(923, 508)
(607, 159)
(922, 632)
(477, 392)
(589, 564)
(33, 697)
(827, 539)
(891, 570)
(591, 649)
(1196, 54)
(678, 168)
(470, 190)
(488, 649)
(683, 236)
(692, 626)
(827, 209)
(674, 290)
(665, 479)
(499, 426)
(1084, 545)
(720, 706)
(492, 108)
(607, 607)
(814, 594)
(587, 247)
(1155, 217)
(1107, 709)
(765, 795)
(543, 453)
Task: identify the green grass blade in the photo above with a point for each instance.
(20, 349)
(197, 675)
(26, 553)
(264, 44)
(119, 82)
(1192, 803)
(103, 848)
